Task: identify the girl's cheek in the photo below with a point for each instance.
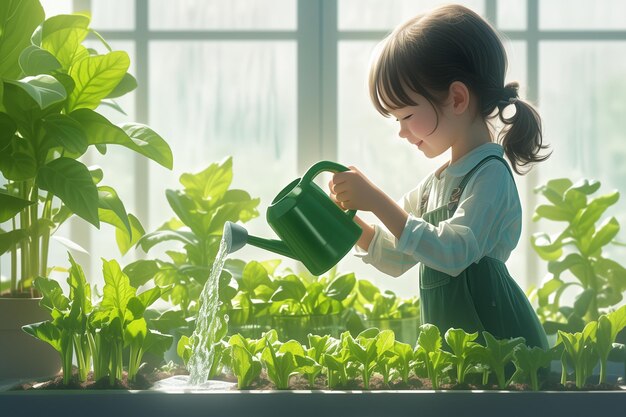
(423, 125)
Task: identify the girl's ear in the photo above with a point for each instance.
(458, 97)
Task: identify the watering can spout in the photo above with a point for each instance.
(236, 237)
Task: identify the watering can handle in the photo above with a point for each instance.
(322, 166)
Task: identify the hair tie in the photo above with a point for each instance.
(511, 100)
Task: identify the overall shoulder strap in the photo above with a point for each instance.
(456, 193)
(425, 195)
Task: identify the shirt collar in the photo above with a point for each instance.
(471, 159)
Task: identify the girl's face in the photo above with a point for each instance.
(417, 125)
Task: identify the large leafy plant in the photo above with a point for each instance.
(202, 207)
(51, 86)
(578, 249)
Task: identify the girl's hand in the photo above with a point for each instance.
(351, 190)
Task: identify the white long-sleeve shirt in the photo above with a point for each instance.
(487, 221)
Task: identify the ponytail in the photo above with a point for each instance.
(521, 137)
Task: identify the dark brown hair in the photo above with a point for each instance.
(452, 43)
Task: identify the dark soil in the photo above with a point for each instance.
(146, 379)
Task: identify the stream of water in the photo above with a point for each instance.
(207, 323)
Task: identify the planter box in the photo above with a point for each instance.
(311, 403)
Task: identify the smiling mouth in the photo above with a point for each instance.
(418, 144)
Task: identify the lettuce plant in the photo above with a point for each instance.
(580, 349)
(464, 350)
(609, 325)
(67, 328)
(368, 349)
(528, 361)
(497, 354)
(51, 86)
(601, 280)
(244, 361)
(429, 351)
(97, 333)
(280, 361)
(404, 356)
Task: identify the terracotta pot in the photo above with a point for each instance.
(21, 355)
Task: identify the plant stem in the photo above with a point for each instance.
(13, 263)
(34, 241)
(45, 239)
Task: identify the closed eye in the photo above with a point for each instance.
(405, 118)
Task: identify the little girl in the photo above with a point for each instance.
(441, 76)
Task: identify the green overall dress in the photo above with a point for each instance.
(482, 297)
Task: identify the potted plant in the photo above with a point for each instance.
(51, 86)
(578, 251)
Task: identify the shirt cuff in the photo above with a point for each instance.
(411, 235)
(368, 255)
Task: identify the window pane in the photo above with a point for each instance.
(55, 7)
(386, 14)
(218, 14)
(211, 100)
(582, 90)
(512, 14)
(582, 14)
(113, 14)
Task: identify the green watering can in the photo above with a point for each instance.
(311, 227)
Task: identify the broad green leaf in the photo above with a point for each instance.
(547, 250)
(210, 184)
(18, 20)
(52, 294)
(71, 181)
(45, 90)
(35, 61)
(586, 186)
(559, 186)
(124, 240)
(62, 35)
(126, 85)
(46, 332)
(95, 78)
(65, 132)
(141, 271)
(17, 161)
(146, 242)
(117, 289)
(135, 332)
(554, 213)
(148, 143)
(111, 209)
(429, 338)
(368, 290)
(607, 231)
(583, 301)
(11, 205)
(289, 288)
(254, 275)
(10, 239)
(592, 213)
(80, 291)
(341, 287)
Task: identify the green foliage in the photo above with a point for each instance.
(578, 249)
(528, 361)
(372, 303)
(98, 332)
(202, 207)
(464, 349)
(50, 88)
(497, 354)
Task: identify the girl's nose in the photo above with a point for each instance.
(403, 132)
